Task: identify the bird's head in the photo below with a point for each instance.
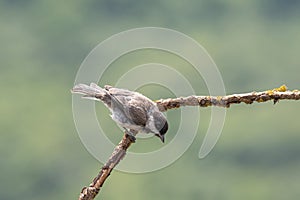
(160, 125)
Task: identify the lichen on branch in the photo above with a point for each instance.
(275, 94)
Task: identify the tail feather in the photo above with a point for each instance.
(95, 86)
(91, 91)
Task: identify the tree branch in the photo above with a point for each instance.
(90, 192)
(281, 93)
(276, 94)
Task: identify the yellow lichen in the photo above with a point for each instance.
(219, 98)
(260, 100)
(208, 103)
(282, 88)
(270, 92)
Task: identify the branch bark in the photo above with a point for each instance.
(281, 93)
(90, 192)
(276, 94)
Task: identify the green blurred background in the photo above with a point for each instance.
(255, 44)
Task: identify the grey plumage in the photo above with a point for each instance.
(131, 110)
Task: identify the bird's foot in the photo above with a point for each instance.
(130, 136)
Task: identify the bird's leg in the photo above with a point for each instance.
(131, 134)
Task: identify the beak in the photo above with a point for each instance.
(161, 137)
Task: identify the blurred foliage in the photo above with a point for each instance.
(255, 45)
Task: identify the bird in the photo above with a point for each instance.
(131, 110)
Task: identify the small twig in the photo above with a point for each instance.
(281, 93)
(276, 94)
(90, 192)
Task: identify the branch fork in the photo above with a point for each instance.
(276, 94)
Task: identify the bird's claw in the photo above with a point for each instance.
(130, 137)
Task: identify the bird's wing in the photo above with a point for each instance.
(127, 104)
(132, 104)
(117, 103)
(138, 115)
